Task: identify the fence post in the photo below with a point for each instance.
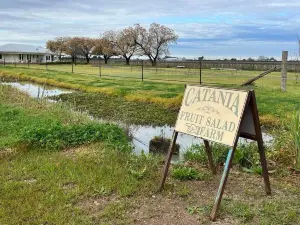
(284, 70)
(142, 70)
(200, 71)
(72, 67)
(99, 70)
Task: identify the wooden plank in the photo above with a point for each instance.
(223, 182)
(260, 144)
(210, 157)
(250, 81)
(168, 160)
(284, 70)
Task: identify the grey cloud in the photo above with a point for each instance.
(36, 21)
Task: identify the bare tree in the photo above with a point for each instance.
(105, 47)
(85, 46)
(57, 46)
(72, 47)
(155, 41)
(123, 42)
(98, 48)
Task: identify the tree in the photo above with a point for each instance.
(57, 46)
(103, 46)
(85, 46)
(72, 47)
(263, 58)
(123, 42)
(155, 41)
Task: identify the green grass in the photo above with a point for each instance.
(274, 105)
(116, 108)
(40, 186)
(267, 212)
(37, 187)
(296, 137)
(187, 75)
(99, 184)
(30, 123)
(187, 173)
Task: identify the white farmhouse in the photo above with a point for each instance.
(19, 53)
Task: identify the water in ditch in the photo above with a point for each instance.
(37, 90)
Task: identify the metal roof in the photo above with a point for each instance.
(20, 48)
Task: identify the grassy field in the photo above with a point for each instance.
(186, 75)
(54, 172)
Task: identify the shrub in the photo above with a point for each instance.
(186, 173)
(246, 155)
(56, 136)
(197, 153)
(63, 63)
(55, 63)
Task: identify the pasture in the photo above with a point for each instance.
(170, 75)
(275, 106)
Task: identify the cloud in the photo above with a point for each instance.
(212, 27)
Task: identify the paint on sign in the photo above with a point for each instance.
(211, 113)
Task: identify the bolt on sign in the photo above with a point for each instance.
(219, 115)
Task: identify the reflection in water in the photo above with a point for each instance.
(36, 90)
(141, 136)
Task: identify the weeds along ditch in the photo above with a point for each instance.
(145, 110)
(53, 158)
(33, 124)
(60, 165)
(142, 122)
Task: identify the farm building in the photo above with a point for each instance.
(19, 53)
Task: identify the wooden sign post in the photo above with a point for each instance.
(219, 115)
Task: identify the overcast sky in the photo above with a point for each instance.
(212, 28)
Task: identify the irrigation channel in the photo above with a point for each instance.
(140, 135)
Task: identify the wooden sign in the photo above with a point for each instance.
(219, 115)
(211, 113)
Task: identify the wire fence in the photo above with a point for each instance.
(198, 72)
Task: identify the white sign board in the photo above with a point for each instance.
(211, 113)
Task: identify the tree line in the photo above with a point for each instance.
(134, 40)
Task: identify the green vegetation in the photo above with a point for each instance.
(246, 156)
(33, 124)
(93, 178)
(57, 136)
(34, 179)
(296, 134)
(116, 108)
(274, 105)
(244, 211)
(187, 173)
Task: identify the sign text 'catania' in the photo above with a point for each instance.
(211, 113)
